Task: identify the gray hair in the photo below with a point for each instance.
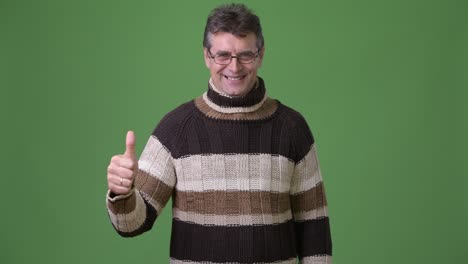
(236, 19)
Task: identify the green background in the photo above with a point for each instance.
(383, 85)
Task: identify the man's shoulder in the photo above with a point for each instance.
(291, 115)
(175, 118)
(300, 130)
(180, 112)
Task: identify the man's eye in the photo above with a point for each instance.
(223, 56)
(246, 56)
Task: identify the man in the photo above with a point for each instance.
(240, 167)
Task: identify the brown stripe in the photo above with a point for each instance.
(265, 111)
(153, 187)
(123, 206)
(232, 202)
(309, 200)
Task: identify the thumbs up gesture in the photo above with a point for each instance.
(122, 168)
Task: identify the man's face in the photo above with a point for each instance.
(234, 79)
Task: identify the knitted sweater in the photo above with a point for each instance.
(244, 179)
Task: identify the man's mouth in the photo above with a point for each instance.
(234, 78)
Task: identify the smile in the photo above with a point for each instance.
(234, 78)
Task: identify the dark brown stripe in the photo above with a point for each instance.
(313, 237)
(123, 206)
(243, 244)
(187, 131)
(232, 202)
(309, 200)
(154, 188)
(254, 96)
(265, 111)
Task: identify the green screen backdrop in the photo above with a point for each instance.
(382, 84)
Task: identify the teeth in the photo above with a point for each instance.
(233, 78)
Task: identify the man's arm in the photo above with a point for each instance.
(134, 212)
(309, 203)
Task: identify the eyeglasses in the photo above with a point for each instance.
(224, 58)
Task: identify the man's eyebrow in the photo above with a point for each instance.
(223, 52)
(246, 52)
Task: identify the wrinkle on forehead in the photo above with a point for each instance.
(229, 43)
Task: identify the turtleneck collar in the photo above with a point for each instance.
(224, 103)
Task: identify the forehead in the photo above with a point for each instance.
(223, 41)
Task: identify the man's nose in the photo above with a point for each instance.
(234, 65)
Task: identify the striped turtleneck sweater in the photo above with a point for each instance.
(244, 179)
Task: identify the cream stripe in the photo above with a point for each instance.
(326, 259)
(176, 261)
(132, 221)
(233, 110)
(157, 161)
(118, 197)
(262, 173)
(311, 215)
(216, 89)
(231, 220)
(307, 173)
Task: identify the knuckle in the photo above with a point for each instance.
(128, 174)
(114, 159)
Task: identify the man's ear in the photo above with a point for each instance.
(207, 57)
(260, 56)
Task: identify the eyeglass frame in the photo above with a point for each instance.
(235, 56)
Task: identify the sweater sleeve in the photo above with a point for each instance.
(309, 203)
(135, 212)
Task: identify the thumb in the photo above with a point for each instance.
(130, 145)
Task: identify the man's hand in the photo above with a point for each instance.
(122, 168)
